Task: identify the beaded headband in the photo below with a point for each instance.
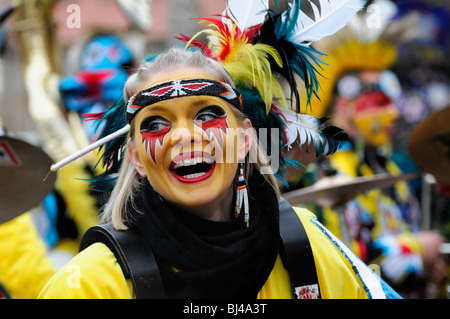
(173, 89)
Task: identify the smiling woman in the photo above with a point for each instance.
(194, 212)
(187, 137)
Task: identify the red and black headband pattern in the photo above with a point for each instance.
(173, 89)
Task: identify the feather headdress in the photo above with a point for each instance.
(263, 49)
(266, 52)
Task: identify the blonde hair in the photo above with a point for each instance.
(128, 183)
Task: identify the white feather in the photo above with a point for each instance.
(246, 13)
(332, 16)
(300, 126)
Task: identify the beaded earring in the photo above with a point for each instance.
(242, 197)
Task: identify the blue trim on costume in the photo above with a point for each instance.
(387, 290)
(390, 293)
(355, 269)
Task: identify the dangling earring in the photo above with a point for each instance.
(242, 196)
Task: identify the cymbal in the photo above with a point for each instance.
(23, 168)
(429, 145)
(336, 190)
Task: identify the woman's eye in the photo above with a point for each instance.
(157, 126)
(209, 113)
(154, 124)
(205, 117)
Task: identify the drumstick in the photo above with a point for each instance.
(89, 148)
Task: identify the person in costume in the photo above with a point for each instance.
(194, 183)
(105, 61)
(36, 244)
(383, 225)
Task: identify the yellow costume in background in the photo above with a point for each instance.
(25, 266)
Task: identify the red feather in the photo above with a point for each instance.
(93, 116)
(196, 44)
(227, 36)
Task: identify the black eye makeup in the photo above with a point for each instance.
(209, 113)
(154, 124)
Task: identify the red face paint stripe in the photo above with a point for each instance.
(215, 128)
(151, 140)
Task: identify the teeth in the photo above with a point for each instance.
(194, 175)
(194, 161)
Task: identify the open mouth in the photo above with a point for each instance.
(192, 167)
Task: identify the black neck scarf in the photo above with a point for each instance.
(199, 258)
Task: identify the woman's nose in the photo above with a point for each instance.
(181, 135)
(185, 133)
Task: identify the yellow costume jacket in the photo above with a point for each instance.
(95, 273)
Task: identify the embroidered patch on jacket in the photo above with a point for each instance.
(307, 292)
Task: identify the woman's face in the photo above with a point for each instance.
(370, 115)
(188, 147)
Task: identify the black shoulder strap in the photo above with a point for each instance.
(299, 256)
(139, 264)
(134, 257)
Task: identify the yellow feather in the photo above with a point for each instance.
(248, 65)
